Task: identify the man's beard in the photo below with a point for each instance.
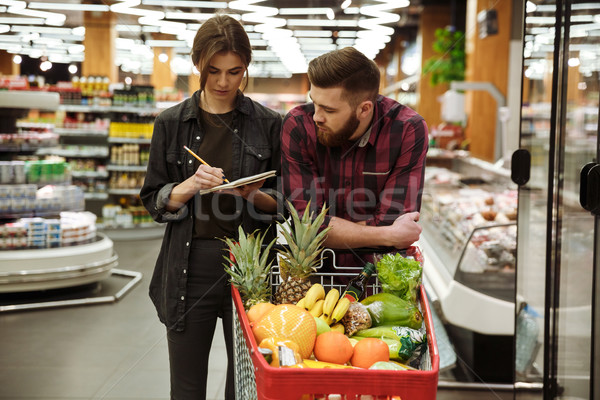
(336, 139)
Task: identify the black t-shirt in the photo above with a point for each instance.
(217, 214)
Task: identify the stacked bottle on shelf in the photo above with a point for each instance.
(133, 128)
(129, 154)
(126, 179)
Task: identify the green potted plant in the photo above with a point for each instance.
(449, 62)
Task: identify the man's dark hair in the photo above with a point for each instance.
(349, 69)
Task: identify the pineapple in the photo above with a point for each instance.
(299, 260)
(249, 270)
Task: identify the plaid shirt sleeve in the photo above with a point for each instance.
(404, 186)
(301, 179)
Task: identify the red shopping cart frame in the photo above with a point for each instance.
(306, 383)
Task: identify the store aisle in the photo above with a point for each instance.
(105, 351)
(114, 351)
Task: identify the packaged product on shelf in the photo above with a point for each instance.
(13, 236)
(53, 233)
(17, 198)
(77, 227)
(18, 171)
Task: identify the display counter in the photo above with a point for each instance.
(42, 269)
(469, 220)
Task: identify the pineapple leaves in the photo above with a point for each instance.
(304, 241)
(250, 266)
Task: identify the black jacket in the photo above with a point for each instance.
(255, 147)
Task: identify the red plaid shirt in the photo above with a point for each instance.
(374, 180)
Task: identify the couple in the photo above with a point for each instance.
(360, 153)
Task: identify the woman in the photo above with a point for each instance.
(237, 137)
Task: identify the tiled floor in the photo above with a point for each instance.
(109, 351)
(105, 351)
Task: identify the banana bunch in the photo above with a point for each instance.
(330, 308)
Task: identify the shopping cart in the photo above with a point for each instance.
(256, 379)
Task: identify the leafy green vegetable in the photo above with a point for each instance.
(400, 276)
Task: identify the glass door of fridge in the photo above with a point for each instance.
(556, 230)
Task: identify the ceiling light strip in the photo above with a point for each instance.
(190, 4)
(322, 23)
(166, 43)
(312, 33)
(127, 7)
(259, 14)
(68, 6)
(21, 21)
(304, 11)
(281, 41)
(375, 35)
(41, 29)
(187, 15)
(50, 18)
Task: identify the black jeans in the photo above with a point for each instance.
(209, 297)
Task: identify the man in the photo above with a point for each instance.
(360, 153)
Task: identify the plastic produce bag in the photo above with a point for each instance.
(356, 318)
(390, 366)
(405, 344)
(400, 276)
(388, 309)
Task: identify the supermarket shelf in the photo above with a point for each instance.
(162, 105)
(73, 153)
(81, 132)
(107, 109)
(34, 125)
(129, 140)
(89, 174)
(136, 110)
(22, 148)
(127, 168)
(124, 192)
(28, 99)
(42, 269)
(144, 231)
(37, 213)
(95, 196)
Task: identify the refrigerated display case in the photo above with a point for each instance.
(468, 215)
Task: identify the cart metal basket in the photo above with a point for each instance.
(256, 379)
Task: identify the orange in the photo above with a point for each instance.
(287, 321)
(333, 347)
(257, 311)
(368, 351)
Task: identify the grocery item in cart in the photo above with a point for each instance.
(400, 276)
(405, 344)
(255, 379)
(298, 260)
(248, 266)
(355, 290)
(369, 351)
(333, 347)
(287, 321)
(282, 352)
(357, 317)
(387, 309)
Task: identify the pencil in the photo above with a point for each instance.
(201, 160)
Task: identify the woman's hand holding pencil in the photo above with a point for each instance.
(206, 177)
